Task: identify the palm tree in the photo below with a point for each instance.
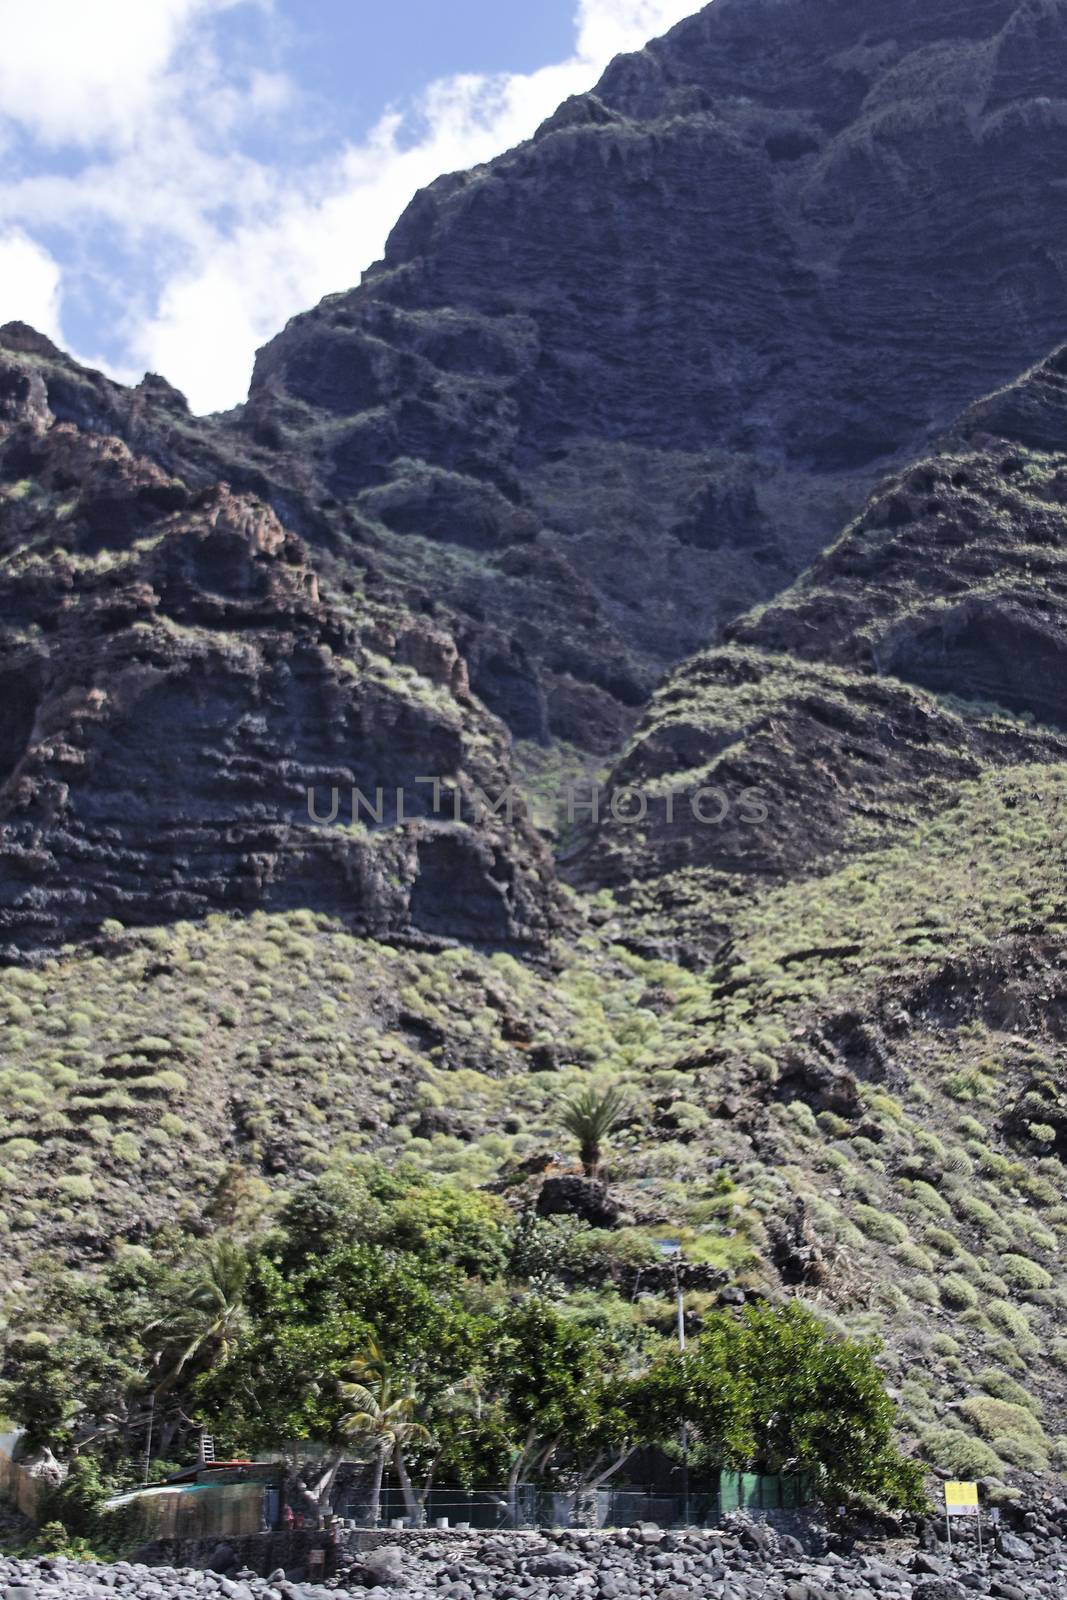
(385, 1419)
(213, 1314)
(591, 1115)
(206, 1324)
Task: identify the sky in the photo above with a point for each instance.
(179, 177)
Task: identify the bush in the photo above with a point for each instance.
(943, 1344)
(957, 1293)
(1022, 1273)
(1000, 1420)
(928, 1196)
(959, 1453)
(1004, 1315)
(776, 1385)
(983, 1216)
(912, 1255)
(1003, 1387)
(880, 1225)
(1021, 1453)
(76, 1186)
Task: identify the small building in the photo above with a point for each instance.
(227, 1498)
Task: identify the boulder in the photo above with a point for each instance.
(1016, 1549)
(383, 1568)
(571, 1196)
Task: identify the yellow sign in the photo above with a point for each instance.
(961, 1499)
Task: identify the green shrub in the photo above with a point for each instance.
(943, 1344)
(928, 1196)
(957, 1293)
(1010, 1318)
(1000, 1420)
(1003, 1387)
(1022, 1273)
(880, 1225)
(983, 1216)
(1021, 1453)
(912, 1255)
(76, 1185)
(959, 1453)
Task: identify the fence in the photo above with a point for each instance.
(754, 1491)
(613, 1507)
(231, 1510)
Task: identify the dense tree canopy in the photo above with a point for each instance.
(389, 1319)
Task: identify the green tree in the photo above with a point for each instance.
(307, 1330)
(208, 1313)
(776, 1390)
(592, 1115)
(562, 1395)
(386, 1403)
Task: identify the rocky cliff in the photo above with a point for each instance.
(927, 644)
(608, 390)
(572, 465)
(187, 709)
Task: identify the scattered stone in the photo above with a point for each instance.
(1014, 1548)
(743, 1559)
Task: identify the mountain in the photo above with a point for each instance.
(714, 440)
(608, 390)
(179, 680)
(925, 646)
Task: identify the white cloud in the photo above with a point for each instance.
(30, 280)
(81, 70)
(608, 27)
(234, 246)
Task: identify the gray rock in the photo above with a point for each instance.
(1014, 1548)
(939, 1589)
(555, 1566)
(384, 1568)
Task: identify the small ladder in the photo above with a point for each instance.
(207, 1449)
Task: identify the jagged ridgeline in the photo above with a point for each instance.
(562, 485)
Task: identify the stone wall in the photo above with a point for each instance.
(259, 1552)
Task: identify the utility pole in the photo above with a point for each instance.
(671, 1250)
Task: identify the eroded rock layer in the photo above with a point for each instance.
(176, 685)
(611, 388)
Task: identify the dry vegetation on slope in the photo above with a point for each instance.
(861, 1104)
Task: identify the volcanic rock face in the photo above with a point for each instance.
(176, 687)
(952, 581)
(599, 395)
(955, 575)
(611, 388)
(778, 769)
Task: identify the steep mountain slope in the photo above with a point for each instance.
(861, 1103)
(955, 576)
(176, 686)
(927, 644)
(601, 395)
(616, 385)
